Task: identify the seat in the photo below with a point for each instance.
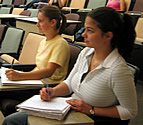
(6, 3)
(75, 49)
(1, 118)
(17, 11)
(28, 53)
(92, 4)
(5, 10)
(138, 5)
(74, 6)
(12, 41)
(135, 70)
(17, 3)
(71, 28)
(3, 29)
(33, 12)
(136, 59)
(139, 30)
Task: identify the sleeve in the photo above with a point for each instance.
(124, 88)
(60, 54)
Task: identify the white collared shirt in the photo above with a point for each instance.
(110, 83)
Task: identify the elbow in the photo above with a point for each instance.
(126, 114)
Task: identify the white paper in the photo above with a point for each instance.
(6, 81)
(57, 108)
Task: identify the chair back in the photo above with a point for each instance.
(12, 40)
(75, 49)
(30, 47)
(135, 70)
(7, 2)
(19, 2)
(5, 10)
(1, 118)
(78, 4)
(33, 12)
(17, 11)
(138, 5)
(71, 28)
(92, 4)
(3, 29)
(139, 28)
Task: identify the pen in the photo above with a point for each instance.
(12, 63)
(46, 86)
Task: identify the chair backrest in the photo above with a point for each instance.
(1, 118)
(5, 10)
(30, 47)
(28, 1)
(135, 70)
(12, 40)
(139, 28)
(19, 2)
(7, 2)
(25, 13)
(3, 29)
(138, 5)
(33, 12)
(78, 4)
(17, 11)
(71, 28)
(92, 4)
(74, 52)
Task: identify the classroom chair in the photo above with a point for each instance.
(1, 118)
(71, 28)
(12, 41)
(26, 60)
(74, 6)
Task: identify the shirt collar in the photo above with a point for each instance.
(109, 60)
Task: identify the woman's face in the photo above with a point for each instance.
(44, 24)
(93, 36)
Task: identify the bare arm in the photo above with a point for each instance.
(62, 3)
(122, 5)
(38, 74)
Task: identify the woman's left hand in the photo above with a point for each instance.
(79, 105)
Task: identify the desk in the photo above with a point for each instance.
(72, 118)
(18, 87)
(10, 16)
(29, 24)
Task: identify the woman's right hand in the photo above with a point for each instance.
(46, 94)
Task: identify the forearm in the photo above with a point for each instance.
(38, 74)
(61, 3)
(122, 5)
(107, 112)
(61, 89)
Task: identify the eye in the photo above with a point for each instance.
(89, 30)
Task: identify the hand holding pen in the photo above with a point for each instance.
(46, 93)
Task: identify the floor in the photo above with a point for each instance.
(138, 120)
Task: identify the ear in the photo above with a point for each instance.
(53, 22)
(109, 35)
